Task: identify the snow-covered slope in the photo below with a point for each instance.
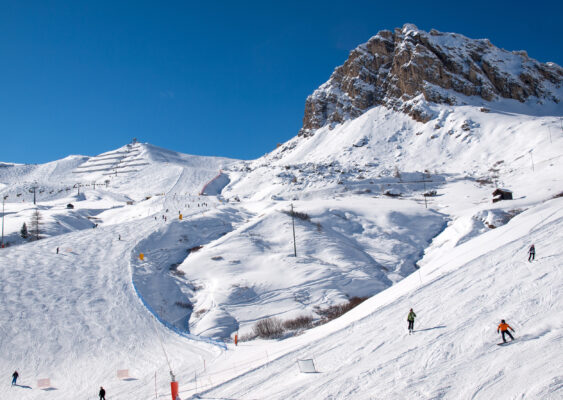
(188, 250)
(459, 298)
(384, 149)
(135, 172)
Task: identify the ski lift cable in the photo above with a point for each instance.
(163, 349)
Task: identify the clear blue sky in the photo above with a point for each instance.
(226, 79)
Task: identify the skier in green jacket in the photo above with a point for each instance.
(410, 319)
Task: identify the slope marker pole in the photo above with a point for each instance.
(293, 224)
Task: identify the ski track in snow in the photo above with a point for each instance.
(76, 318)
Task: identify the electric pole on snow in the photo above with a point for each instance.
(34, 187)
(3, 201)
(293, 224)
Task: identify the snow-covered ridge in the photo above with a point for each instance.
(384, 149)
(407, 67)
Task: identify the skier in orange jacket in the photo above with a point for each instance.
(504, 327)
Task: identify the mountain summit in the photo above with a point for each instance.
(404, 68)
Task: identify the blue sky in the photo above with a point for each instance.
(225, 79)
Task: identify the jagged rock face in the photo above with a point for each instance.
(396, 68)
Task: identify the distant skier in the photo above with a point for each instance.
(57, 250)
(532, 253)
(102, 393)
(119, 237)
(504, 327)
(15, 378)
(410, 319)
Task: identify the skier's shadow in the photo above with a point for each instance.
(23, 386)
(429, 329)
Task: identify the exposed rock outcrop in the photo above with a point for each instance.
(402, 68)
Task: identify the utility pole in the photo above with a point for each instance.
(293, 224)
(3, 201)
(34, 187)
(424, 194)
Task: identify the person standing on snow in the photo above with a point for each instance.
(15, 377)
(504, 327)
(410, 319)
(102, 393)
(532, 253)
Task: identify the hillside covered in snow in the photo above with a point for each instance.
(152, 261)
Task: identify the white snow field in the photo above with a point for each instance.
(215, 264)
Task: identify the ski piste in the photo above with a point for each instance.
(76, 318)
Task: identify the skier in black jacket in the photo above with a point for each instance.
(102, 393)
(15, 378)
(532, 252)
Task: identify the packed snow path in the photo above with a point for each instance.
(459, 298)
(75, 318)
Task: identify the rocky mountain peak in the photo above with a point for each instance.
(403, 68)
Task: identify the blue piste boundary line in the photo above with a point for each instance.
(173, 328)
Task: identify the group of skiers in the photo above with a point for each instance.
(503, 326)
(15, 375)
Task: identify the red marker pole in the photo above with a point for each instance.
(174, 389)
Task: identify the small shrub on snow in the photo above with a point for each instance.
(301, 322)
(184, 305)
(247, 337)
(337, 310)
(300, 215)
(268, 328)
(199, 312)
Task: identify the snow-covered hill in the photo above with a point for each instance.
(108, 183)
(189, 250)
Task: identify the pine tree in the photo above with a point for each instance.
(35, 224)
(23, 231)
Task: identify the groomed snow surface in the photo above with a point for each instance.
(79, 316)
